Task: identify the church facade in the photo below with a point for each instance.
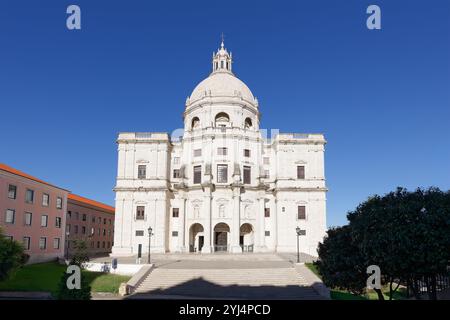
(223, 185)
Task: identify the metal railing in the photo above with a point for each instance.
(247, 248)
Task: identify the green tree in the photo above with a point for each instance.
(340, 264)
(406, 234)
(12, 256)
(80, 257)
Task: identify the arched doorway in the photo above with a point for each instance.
(221, 232)
(246, 237)
(196, 238)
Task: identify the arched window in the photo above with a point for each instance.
(248, 123)
(222, 119)
(195, 123)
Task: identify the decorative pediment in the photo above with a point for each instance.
(222, 201)
(142, 161)
(196, 202)
(300, 162)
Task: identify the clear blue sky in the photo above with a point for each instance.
(382, 98)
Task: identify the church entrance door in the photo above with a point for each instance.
(201, 242)
(221, 231)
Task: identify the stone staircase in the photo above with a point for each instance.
(244, 283)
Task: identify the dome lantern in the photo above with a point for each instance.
(222, 60)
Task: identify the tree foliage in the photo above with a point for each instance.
(407, 234)
(12, 256)
(340, 265)
(80, 257)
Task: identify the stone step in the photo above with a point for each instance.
(280, 283)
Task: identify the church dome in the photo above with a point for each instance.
(222, 84)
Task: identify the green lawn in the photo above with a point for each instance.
(46, 277)
(370, 295)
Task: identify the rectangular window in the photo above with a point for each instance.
(110, 222)
(222, 173)
(29, 196)
(26, 243)
(44, 220)
(42, 243)
(222, 151)
(98, 244)
(69, 214)
(142, 171)
(175, 212)
(301, 215)
(10, 216)
(267, 212)
(56, 243)
(140, 212)
(98, 231)
(266, 174)
(267, 233)
(174, 233)
(300, 172)
(92, 231)
(109, 244)
(103, 244)
(59, 203)
(104, 232)
(45, 200)
(247, 153)
(75, 229)
(139, 233)
(58, 222)
(83, 230)
(104, 220)
(99, 219)
(12, 191)
(93, 219)
(68, 228)
(77, 215)
(266, 160)
(197, 152)
(247, 175)
(84, 217)
(176, 173)
(28, 217)
(197, 174)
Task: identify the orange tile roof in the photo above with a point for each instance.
(9, 169)
(71, 196)
(91, 202)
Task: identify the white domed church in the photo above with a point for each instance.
(223, 185)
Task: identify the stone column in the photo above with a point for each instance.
(181, 226)
(236, 225)
(207, 227)
(277, 212)
(261, 224)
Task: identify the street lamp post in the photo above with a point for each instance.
(149, 242)
(300, 232)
